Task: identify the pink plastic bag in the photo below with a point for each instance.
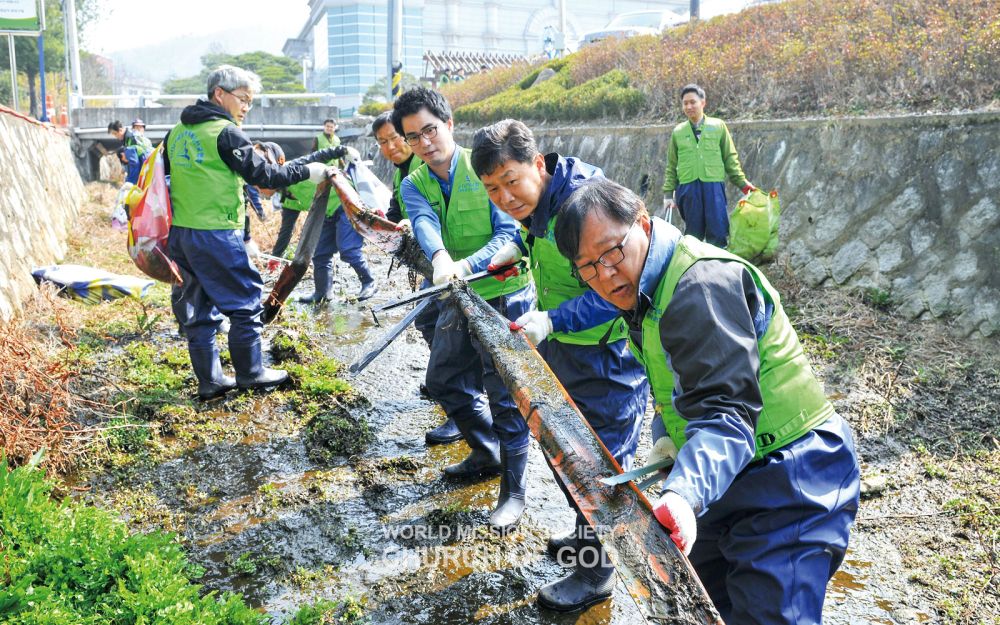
(149, 221)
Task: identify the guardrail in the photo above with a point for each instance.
(143, 101)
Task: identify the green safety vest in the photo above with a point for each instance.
(323, 143)
(555, 284)
(397, 182)
(700, 160)
(465, 220)
(205, 193)
(304, 193)
(794, 402)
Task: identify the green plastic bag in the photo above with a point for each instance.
(753, 226)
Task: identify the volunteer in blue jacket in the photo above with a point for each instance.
(581, 336)
(209, 160)
(764, 486)
(460, 231)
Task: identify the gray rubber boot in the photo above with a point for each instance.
(368, 286)
(484, 459)
(322, 282)
(251, 374)
(592, 581)
(513, 484)
(212, 383)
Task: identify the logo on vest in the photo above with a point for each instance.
(187, 150)
(469, 186)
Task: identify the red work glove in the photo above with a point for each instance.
(747, 189)
(675, 514)
(503, 275)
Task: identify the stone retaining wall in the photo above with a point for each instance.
(906, 205)
(40, 197)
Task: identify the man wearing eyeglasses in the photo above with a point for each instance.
(460, 231)
(209, 160)
(580, 335)
(764, 487)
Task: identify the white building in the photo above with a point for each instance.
(346, 39)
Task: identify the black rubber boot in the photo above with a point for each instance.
(563, 548)
(513, 484)
(368, 286)
(581, 589)
(484, 459)
(251, 374)
(212, 383)
(443, 434)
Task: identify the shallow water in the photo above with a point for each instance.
(266, 520)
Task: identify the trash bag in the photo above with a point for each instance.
(149, 221)
(753, 226)
(373, 192)
(91, 285)
(119, 214)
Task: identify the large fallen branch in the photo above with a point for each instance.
(659, 578)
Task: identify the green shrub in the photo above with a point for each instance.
(374, 108)
(70, 564)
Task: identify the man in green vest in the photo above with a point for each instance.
(764, 486)
(700, 158)
(209, 160)
(398, 152)
(460, 231)
(580, 335)
(327, 138)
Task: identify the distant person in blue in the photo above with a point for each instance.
(460, 231)
(581, 336)
(210, 160)
(764, 485)
(132, 151)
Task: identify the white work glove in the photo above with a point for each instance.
(317, 172)
(663, 449)
(404, 224)
(352, 155)
(509, 254)
(536, 325)
(446, 269)
(252, 250)
(675, 514)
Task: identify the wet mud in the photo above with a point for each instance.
(379, 524)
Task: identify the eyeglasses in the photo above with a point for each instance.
(609, 259)
(246, 101)
(428, 132)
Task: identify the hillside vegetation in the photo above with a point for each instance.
(794, 58)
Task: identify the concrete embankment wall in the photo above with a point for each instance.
(907, 205)
(40, 197)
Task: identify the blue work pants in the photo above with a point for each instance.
(462, 378)
(703, 207)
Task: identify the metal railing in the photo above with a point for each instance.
(143, 101)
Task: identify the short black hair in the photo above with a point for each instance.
(615, 201)
(329, 120)
(417, 99)
(692, 88)
(384, 118)
(276, 150)
(506, 140)
(115, 126)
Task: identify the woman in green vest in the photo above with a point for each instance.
(764, 486)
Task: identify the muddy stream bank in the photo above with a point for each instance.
(382, 531)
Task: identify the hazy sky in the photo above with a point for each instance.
(129, 24)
